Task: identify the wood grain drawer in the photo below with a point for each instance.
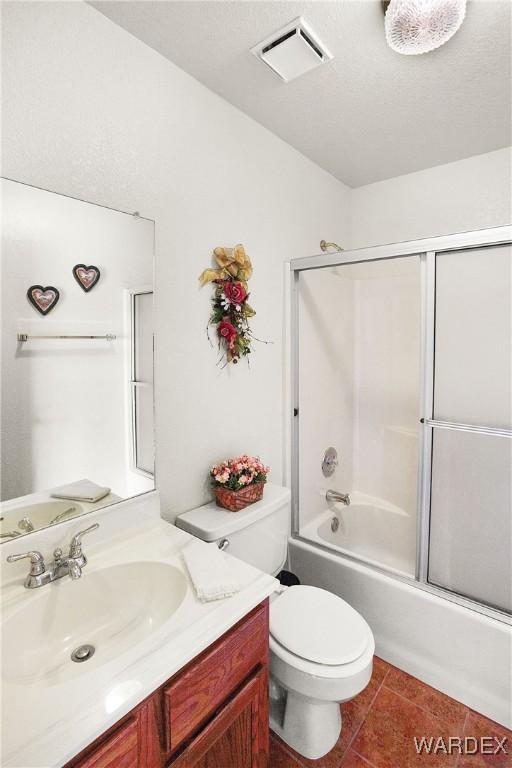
(196, 692)
(119, 750)
(232, 737)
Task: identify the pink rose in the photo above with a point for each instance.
(227, 331)
(235, 292)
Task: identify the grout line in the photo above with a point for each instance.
(367, 762)
(426, 711)
(297, 757)
(354, 735)
(457, 761)
(291, 753)
(386, 673)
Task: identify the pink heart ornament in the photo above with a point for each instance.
(43, 298)
(86, 276)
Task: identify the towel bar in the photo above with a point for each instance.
(22, 337)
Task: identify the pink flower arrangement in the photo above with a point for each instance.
(239, 472)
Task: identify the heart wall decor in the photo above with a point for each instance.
(86, 277)
(43, 298)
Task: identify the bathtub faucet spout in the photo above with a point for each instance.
(331, 495)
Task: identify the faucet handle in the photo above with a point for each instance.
(26, 524)
(57, 555)
(36, 561)
(75, 548)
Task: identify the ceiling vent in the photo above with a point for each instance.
(292, 50)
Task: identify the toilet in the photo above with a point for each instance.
(321, 649)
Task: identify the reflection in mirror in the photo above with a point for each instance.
(76, 380)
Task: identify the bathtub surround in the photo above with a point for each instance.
(359, 331)
(462, 653)
(461, 570)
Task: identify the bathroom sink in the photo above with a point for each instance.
(38, 515)
(111, 610)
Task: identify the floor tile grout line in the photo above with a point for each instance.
(291, 753)
(457, 761)
(297, 758)
(371, 765)
(349, 745)
(432, 688)
(426, 711)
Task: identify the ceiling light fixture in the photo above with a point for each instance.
(420, 26)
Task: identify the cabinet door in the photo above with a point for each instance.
(235, 737)
(134, 744)
(119, 750)
(199, 690)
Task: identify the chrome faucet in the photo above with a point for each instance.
(26, 524)
(61, 566)
(331, 495)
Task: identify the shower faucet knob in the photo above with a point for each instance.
(330, 462)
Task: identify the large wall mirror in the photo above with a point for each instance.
(77, 358)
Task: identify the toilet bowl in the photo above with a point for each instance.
(321, 649)
(321, 654)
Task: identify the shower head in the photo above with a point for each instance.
(324, 245)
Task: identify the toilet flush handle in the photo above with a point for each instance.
(223, 544)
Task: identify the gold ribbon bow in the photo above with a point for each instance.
(233, 263)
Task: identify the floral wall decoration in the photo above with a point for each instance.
(230, 308)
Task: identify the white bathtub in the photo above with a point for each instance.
(462, 652)
(375, 531)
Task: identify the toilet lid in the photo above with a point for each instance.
(317, 625)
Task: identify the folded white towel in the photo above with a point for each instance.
(210, 572)
(81, 490)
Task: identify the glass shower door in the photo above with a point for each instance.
(470, 540)
(359, 329)
(403, 366)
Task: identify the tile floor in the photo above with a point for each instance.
(380, 723)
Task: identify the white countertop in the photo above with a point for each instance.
(44, 725)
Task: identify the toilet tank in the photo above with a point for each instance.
(258, 534)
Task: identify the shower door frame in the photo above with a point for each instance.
(426, 249)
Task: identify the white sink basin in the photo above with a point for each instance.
(40, 515)
(111, 609)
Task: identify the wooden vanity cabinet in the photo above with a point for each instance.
(211, 714)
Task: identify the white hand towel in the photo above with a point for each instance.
(81, 490)
(210, 572)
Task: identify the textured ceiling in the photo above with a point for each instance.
(368, 114)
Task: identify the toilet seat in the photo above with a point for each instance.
(317, 632)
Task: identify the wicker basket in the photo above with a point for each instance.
(234, 501)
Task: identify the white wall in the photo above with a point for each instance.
(92, 112)
(456, 197)
(65, 408)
